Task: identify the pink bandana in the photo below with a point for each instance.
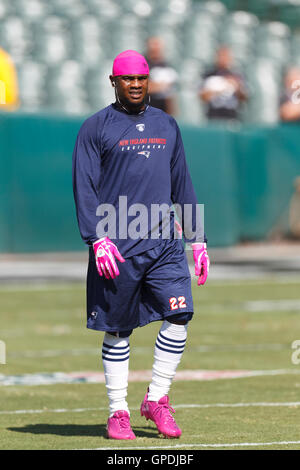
(130, 63)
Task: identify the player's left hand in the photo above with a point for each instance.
(105, 252)
(202, 262)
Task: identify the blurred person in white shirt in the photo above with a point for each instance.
(223, 89)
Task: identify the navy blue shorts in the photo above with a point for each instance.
(155, 285)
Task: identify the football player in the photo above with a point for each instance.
(133, 153)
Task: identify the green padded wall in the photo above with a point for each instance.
(211, 159)
(36, 206)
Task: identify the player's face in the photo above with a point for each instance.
(132, 89)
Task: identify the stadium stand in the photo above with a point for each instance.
(63, 49)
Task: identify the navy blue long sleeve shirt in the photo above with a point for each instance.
(123, 160)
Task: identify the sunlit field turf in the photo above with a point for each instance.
(237, 326)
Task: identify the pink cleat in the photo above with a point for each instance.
(118, 426)
(160, 413)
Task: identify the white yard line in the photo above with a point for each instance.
(278, 305)
(136, 408)
(37, 285)
(55, 353)
(85, 377)
(256, 306)
(185, 446)
(240, 405)
(58, 410)
(32, 286)
(267, 279)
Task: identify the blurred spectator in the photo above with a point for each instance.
(162, 77)
(290, 101)
(223, 89)
(9, 94)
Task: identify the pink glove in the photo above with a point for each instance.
(105, 253)
(201, 262)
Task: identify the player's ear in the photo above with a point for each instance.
(112, 79)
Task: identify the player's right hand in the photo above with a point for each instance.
(105, 252)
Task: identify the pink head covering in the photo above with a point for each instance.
(130, 63)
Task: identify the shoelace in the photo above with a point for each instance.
(124, 422)
(165, 412)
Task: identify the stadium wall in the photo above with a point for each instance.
(244, 177)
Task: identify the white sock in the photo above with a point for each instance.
(168, 351)
(115, 357)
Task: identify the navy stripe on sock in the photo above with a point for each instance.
(169, 350)
(176, 346)
(174, 340)
(105, 358)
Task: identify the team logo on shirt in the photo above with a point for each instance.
(143, 144)
(145, 152)
(140, 127)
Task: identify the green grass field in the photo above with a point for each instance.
(236, 327)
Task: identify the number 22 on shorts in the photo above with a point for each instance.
(177, 303)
